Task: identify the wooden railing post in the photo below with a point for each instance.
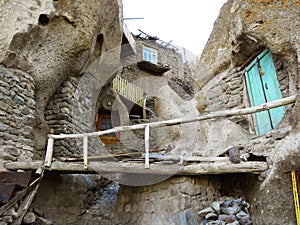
(171, 122)
(147, 138)
(49, 152)
(85, 151)
(144, 107)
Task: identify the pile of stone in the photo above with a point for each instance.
(229, 211)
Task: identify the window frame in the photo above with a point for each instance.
(152, 54)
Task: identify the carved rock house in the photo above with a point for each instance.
(122, 107)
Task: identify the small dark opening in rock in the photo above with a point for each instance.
(100, 38)
(44, 19)
(99, 44)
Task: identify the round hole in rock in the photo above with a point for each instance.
(44, 19)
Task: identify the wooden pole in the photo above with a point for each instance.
(49, 152)
(18, 197)
(147, 139)
(29, 194)
(22, 210)
(85, 151)
(295, 185)
(144, 108)
(202, 168)
(213, 115)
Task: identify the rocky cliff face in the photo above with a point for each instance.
(53, 40)
(242, 29)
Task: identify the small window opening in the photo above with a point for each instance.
(150, 55)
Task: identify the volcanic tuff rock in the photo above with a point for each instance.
(53, 40)
(245, 26)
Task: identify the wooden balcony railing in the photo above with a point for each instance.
(128, 90)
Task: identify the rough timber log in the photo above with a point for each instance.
(177, 121)
(217, 167)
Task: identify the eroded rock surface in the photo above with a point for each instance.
(246, 26)
(53, 40)
(242, 29)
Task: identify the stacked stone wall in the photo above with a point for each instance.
(17, 115)
(228, 90)
(58, 115)
(69, 111)
(225, 91)
(165, 56)
(282, 75)
(174, 201)
(179, 75)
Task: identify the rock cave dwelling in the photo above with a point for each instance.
(100, 126)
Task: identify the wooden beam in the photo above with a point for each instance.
(203, 168)
(19, 195)
(85, 151)
(251, 58)
(177, 121)
(147, 138)
(49, 152)
(133, 155)
(295, 185)
(24, 206)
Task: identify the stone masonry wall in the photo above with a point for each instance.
(227, 91)
(166, 56)
(174, 201)
(17, 115)
(179, 75)
(242, 28)
(54, 40)
(70, 111)
(59, 118)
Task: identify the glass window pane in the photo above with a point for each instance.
(150, 55)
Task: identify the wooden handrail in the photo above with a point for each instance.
(171, 122)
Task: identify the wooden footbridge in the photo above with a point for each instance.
(181, 165)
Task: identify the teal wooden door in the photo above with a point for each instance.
(263, 87)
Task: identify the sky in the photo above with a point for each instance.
(187, 23)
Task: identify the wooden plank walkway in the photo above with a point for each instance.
(162, 168)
